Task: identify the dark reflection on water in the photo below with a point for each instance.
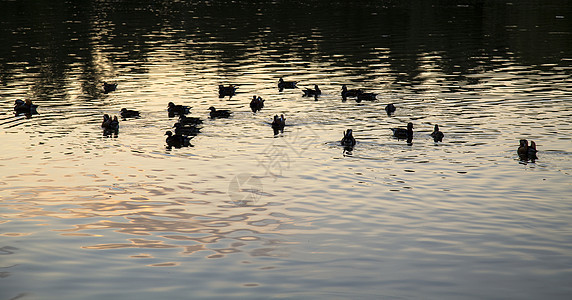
(248, 214)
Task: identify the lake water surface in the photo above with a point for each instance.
(245, 214)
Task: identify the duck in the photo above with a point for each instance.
(389, 109)
(256, 104)
(286, 84)
(366, 96)
(226, 90)
(177, 140)
(114, 124)
(127, 113)
(531, 151)
(177, 109)
(186, 130)
(312, 92)
(401, 133)
(522, 150)
(110, 125)
(437, 135)
(109, 87)
(25, 107)
(189, 120)
(348, 140)
(219, 113)
(349, 93)
(278, 124)
(106, 121)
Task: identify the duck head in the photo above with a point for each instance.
(212, 108)
(168, 133)
(409, 126)
(436, 128)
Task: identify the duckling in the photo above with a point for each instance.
(127, 113)
(177, 140)
(349, 93)
(177, 109)
(189, 120)
(348, 140)
(278, 124)
(437, 135)
(25, 107)
(401, 133)
(286, 84)
(312, 92)
(522, 150)
(531, 151)
(256, 104)
(389, 109)
(219, 113)
(186, 130)
(109, 87)
(226, 90)
(366, 96)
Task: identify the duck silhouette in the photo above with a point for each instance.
(437, 135)
(522, 150)
(180, 129)
(109, 87)
(348, 140)
(177, 140)
(278, 124)
(219, 113)
(177, 109)
(25, 107)
(256, 104)
(531, 151)
(189, 120)
(286, 84)
(402, 133)
(389, 109)
(349, 93)
(226, 90)
(110, 125)
(366, 96)
(312, 92)
(127, 113)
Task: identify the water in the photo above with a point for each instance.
(244, 214)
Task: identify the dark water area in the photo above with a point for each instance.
(246, 214)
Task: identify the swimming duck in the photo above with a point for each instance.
(348, 140)
(25, 107)
(522, 150)
(365, 96)
(127, 113)
(278, 124)
(401, 133)
(312, 92)
(531, 151)
(437, 135)
(177, 140)
(349, 93)
(226, 90)
(109, 87)
(256, 104)
(177, 109)
(219, 113)
(186, 130)
(389, 109)
(106, 121)
(189, 120)
(286, 84)
(110, 126)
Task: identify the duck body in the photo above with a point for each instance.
(437, 135)
(349, 93)
(366, 96)
(522, 150)
(390, 108)
(312, 92)
(180, 129)
(109, 87)
(278, 124)
(226, 90)
(256, 104)
(286, 84)
(402, 133)
(177, 140)
(177, 109)
(219, 113)
(348, 140)
(127, 113)
(184, 120)
(25, 107)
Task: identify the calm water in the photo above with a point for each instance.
(244, 214)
